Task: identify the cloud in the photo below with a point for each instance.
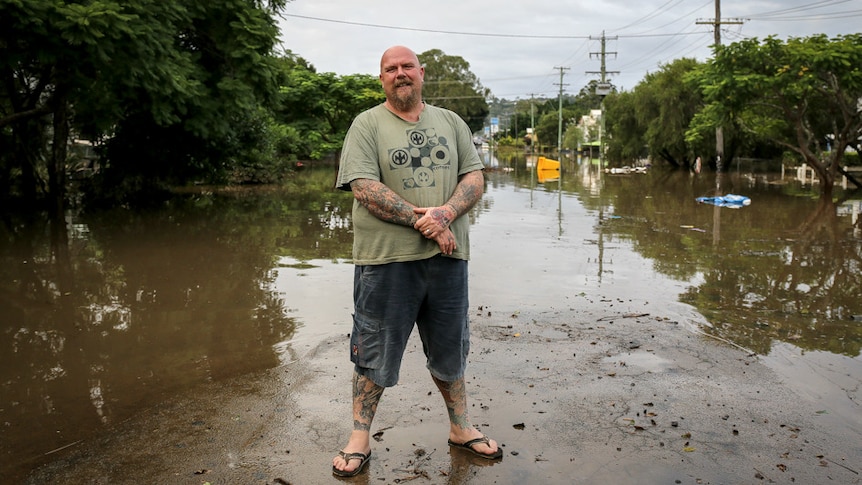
(515, 48)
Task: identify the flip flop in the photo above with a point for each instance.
(352, 456)
(469, 447)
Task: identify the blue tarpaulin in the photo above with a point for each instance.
(730, 200)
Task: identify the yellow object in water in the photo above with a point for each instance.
(547, 170)
(547, 164)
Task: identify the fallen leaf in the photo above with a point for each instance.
(689, 449)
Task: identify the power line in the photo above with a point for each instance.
(823, 16)
(667, 6)
(684, 17)
(476, 34)
(801, 8)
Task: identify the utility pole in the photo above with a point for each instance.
(717, 22)
(603, 88)
(602, 55)
(533, 136)
(560, 113)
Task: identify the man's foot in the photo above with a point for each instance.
(350, 459)
(480, 445)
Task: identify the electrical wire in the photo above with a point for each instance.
(663, 8)
(824, 16)
(549, 85)
(433, 31)
(449, 32)
(800, 8)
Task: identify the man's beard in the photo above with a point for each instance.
(406, 101)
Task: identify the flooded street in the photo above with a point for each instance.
(216, 285)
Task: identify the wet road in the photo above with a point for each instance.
(153, 306)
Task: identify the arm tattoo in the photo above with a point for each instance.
(467, 194)
(441, 217)
(383, 203)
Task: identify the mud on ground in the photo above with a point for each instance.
(575, 396)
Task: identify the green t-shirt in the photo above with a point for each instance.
(421, 162)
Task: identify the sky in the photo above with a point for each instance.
(518, 49)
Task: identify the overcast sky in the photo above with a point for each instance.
(516, 47)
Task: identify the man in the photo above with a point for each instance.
(414, 173)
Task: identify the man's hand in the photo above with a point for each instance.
(446, 241)
(434, 221)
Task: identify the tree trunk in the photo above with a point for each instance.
(825, 173)
(57, 183)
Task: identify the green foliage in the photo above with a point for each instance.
(508, 141)
(170, 86)
(542, 112)
(587, 99)
(449, 83)
(656, 115)
(548, 125)
(315, 110)
(801, 94)
(626, 143)
(573, 136)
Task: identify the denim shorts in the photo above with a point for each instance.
(390, 298)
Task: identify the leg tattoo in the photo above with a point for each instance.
(366, 396)
(455, 395)
(460, 429)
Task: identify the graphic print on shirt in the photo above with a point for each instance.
(426, 154)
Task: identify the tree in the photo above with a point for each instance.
(317, 109)
(171, 85)
(625, 141)
(656, 115)
(449, 83)
(665, 106)
(573, 136)
(548, 125)
(204, 135)
(587, 99)
(803, 94)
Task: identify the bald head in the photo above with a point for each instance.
(397, 53)
(402, 77)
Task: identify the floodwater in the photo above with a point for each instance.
(141, 306)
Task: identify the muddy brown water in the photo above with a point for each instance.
(218, 284)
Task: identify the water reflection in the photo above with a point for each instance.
(144, 304)
(786, 268)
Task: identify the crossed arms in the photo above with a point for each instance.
(431, 222)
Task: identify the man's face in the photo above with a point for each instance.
(402, 77)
